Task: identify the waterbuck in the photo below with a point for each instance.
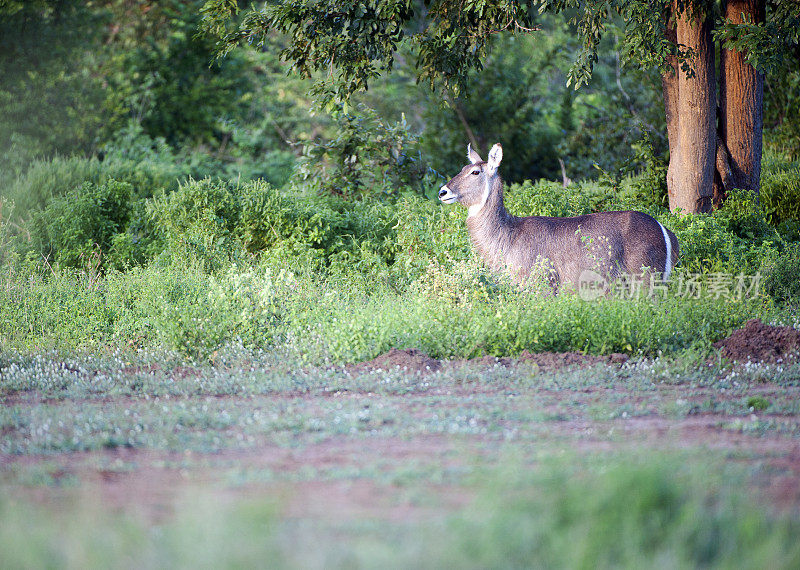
(602, 246)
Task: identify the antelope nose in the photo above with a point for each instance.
(443, 191)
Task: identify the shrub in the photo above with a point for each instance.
(195, 313)
(216, 222)
(780, 189)
(428, 233)
(546, 198)
(745, 218)
(49, 179)
(734, 239)
(197, 222)
(91, 222)
(40, 308)
(781, 276)
(367, 157)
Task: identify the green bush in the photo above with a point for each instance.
(428, 233)
(197, 222)
(49, 179)
(546, 198)
(781, 276)
(40, 308)
(216, 222)
(780, 189)
(89, 225)
(744, 217)
(194, 313)
(734, 239)
(367, 157)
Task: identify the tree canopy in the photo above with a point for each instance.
(348, 42)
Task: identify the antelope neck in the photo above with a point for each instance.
(491, 210)
(492, 194)
(491, 227)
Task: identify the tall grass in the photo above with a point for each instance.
(449, 314)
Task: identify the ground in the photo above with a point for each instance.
(400, 440)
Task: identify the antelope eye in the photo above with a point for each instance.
(476, 172)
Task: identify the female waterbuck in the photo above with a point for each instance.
(602, 246)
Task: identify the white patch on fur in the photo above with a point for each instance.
(475, 209)
(472, 156)
(668, 243)
(449, 197)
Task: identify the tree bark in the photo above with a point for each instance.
(669, 83)
(741, 102)
(723, 177)
(690, 103)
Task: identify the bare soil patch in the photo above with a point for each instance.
(416, 361)
(553, 360)
(759, 342)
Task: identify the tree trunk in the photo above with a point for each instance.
(669, 83)
(690, 103)
(741, 101)
(723, 177)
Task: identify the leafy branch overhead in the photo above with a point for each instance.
(764, 43)
(346, 43)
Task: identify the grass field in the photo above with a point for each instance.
(146, 459)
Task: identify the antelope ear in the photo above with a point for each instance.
(495, 157)
(472, 156)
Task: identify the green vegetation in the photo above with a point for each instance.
(213, 262)
(216, 262)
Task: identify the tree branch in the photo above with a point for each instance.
(470, 135)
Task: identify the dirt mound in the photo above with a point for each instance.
(759, 342)
(553, 360)
(412, 360)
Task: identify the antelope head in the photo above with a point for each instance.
(472, 186)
